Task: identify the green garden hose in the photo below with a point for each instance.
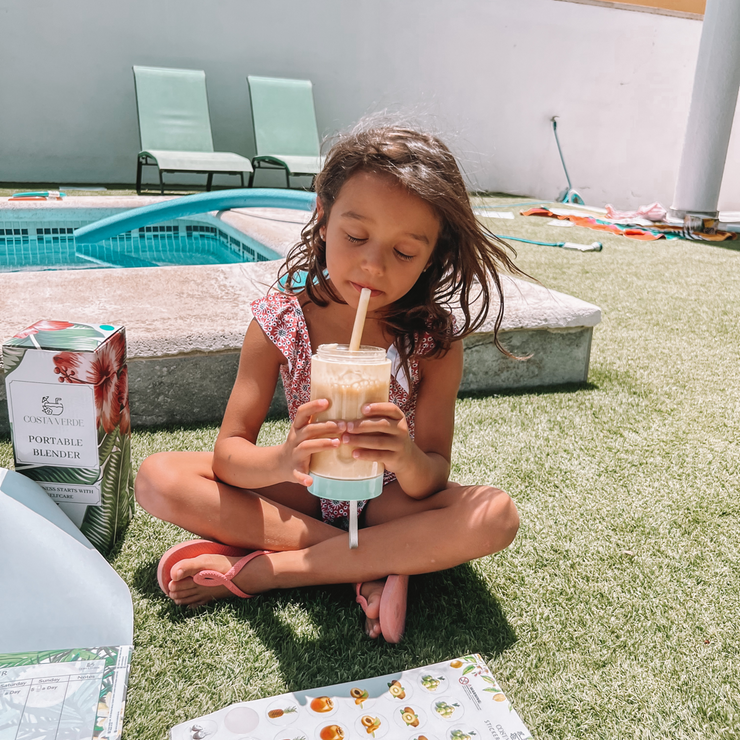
(593, 247)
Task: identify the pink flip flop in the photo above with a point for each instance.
(192, 549)
(393, 608)
(393, 601)
(214, 578)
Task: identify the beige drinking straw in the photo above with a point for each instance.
(359, 325)
(354, 345)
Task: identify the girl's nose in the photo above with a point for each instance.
(373, 261)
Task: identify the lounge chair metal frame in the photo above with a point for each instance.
(146, 160)
(270, 163)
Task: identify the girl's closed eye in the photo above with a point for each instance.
(404, 256)
(354, 239)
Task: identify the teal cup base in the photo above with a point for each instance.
(346, 490)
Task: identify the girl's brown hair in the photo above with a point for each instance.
(465, 257)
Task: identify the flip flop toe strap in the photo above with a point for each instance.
(361, 600)
(214, 578)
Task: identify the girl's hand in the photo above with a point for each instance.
(383, 435)
(306, 437)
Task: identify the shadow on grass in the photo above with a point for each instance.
(549, 390)
(321, 639)
(732, 246)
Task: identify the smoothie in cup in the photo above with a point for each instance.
(349, 379)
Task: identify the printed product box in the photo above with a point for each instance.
(67, 388)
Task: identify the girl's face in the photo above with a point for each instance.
(378, 236)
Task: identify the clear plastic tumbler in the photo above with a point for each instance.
(349, 380)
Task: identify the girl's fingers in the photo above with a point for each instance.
(374, 442)
(306, 410)
(381, 425)
(302, 478)
(379, 456)
(309, 446)
(322, 429)
(383, 409)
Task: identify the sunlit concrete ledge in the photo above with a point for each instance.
(185, 325)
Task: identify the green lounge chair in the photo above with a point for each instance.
(175, 128)
(285, 128)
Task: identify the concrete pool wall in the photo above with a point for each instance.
(185, 325)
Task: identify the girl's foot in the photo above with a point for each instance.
(393, 608)
(369, 595)
(184, 591)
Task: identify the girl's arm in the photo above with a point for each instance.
(237, 460)
(428, 470)
(422, 465)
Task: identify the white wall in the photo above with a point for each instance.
(488, 73)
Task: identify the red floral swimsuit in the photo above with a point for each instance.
(282, 320)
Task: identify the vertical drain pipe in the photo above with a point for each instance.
(713, 101)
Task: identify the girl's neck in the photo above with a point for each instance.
(333, 324)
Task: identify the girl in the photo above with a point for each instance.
(392, 215)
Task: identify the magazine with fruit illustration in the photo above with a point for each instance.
(455, 700)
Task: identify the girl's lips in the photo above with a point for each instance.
(359, 288)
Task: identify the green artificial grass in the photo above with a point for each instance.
(614, 612)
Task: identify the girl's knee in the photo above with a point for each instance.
(495, 513)
(509, 518)
(155, 481)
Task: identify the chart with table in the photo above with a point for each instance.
(71, 694)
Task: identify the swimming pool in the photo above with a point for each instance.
(43, 239)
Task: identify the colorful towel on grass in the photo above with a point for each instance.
(644, 233)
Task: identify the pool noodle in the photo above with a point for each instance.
(189, 205)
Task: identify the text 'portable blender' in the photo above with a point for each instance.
(350, 376)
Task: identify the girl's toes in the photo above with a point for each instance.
(181, 587)
(372, 628)
(194, 597)
(372, 592)
(185, 596)
(186, 568)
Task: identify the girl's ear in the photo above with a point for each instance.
(319, 218)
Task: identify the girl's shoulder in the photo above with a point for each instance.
(281, 318)
(277, 308)
(275, 301)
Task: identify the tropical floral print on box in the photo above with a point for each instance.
(93, 355)
(102, 370)
(60, 335)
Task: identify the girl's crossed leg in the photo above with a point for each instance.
(403, 535)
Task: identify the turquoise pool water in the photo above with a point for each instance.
(31, 242)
